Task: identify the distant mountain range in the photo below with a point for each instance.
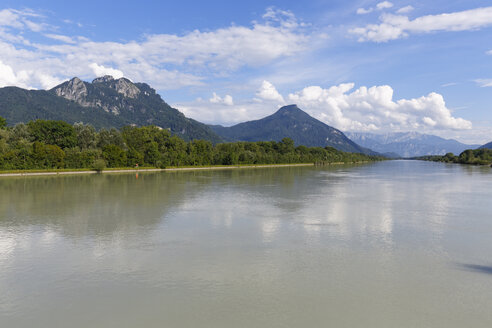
(106, 102)
(290, 121)
(409, 144)
(488, 145)
(109, 102)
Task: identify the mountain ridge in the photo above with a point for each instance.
(486, 146)
(292, 122)
(409, 144)
(104, 103)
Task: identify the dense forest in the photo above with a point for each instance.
(480, 156)
(43, 144)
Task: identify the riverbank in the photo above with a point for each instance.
(126, 170)
(169, 169)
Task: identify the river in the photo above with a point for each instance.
(388, 244)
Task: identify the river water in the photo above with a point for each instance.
(390, 244)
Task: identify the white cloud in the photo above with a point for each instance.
(227, 100)
(62, 38)
(9, 17)
(21, 19)
(100, 70)
(405, 10)
(384, 5)
(268, 92)
(343, 107)
(217, 113)
(166, 61)
(9, 78)
(397, 26)
(369, 109)
(362, 11)
(23, 78)
(484, 82)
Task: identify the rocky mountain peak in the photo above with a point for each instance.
(103, 79)
(126, 87)
(74, 89)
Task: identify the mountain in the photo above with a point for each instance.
(409, 144)
(488, 145)
(291, 122)
(104, 103)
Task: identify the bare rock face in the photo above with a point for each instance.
(101, 93)
(126, 88)
(74, 90)
(103, 79)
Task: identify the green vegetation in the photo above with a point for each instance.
(480, 156)
(42, 144)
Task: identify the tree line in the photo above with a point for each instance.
(45, 144)
(481, 156)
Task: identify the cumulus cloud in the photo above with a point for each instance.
(397, 26)
(369, 109)
(166, 61)
(380, 6)
(363, 11)
(405, 10)
(227, 100)
(23, 78)
(268, 92)
(9, 78)
(384, 5)
(344, 107)
(100, 70)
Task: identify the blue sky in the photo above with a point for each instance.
(377, 66)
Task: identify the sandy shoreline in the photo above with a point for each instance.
(228, 167)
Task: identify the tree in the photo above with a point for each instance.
(86, 135)
(286, 145)
(3, 122)
(19, 135)
(151, 153)
(110, 137)
(133, 158)
(47, 156)
(56, 133)
(114, 156)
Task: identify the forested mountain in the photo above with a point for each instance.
(488, 145)
(291, 122)
(106, 102)
(409, 144)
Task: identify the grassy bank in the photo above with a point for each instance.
(154, 169)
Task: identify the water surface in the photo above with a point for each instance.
(391, 244)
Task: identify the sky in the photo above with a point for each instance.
(367, 66)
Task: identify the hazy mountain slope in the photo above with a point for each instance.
(409, 144)
(487, 145)
(292, 122)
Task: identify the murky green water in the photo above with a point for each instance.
(393, 244)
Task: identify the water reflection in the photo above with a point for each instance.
(345, 201)
(487, 269)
